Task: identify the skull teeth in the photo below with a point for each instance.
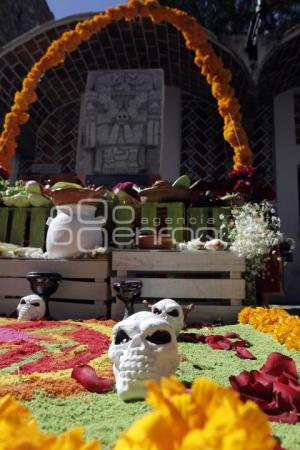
(132, 364)
(133, 375)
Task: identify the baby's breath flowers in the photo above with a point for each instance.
(254, 232)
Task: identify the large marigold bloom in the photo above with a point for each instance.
(19, 431)
(207, 417)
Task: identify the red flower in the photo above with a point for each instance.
(88, 378)
(275, 388)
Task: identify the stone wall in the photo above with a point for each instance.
(19, 16)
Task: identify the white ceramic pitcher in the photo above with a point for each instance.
(74, 231)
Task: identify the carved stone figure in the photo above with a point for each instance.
(143, 347)
(31, 307)
(120, 127)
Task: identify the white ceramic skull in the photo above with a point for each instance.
(143, 347)
(31, 307)
(171, 311)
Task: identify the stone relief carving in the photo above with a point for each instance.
(121, 122)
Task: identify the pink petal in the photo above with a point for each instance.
(88, 378)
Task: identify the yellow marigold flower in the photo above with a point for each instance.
(207, 417)
(276, 321)
(19, 431)
(292, 340)
(243, 316)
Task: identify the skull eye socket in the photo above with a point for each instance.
(160, 337)
(121, 337)
(156, 311)
(23, 302)
(35, 304)
(173, 313)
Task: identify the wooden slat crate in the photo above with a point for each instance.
(207, 220)
(199, 277)
(81, 295)
(23, 226)
(161, 215)
(124, 219)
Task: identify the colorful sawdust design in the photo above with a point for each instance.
(41, 355)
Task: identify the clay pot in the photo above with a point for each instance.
(153, 242)
(71, 196)
(163, 191)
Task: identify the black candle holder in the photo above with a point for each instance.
(44, 284)
(128, 291)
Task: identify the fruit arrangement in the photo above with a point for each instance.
(23, 195)
(199, 193)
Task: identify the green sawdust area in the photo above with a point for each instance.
(105, 416)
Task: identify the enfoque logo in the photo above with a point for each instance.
(121, 225)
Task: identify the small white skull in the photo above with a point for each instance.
(31, 307)
(143, 347)
(171, 311)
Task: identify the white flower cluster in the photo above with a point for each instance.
(256, 233)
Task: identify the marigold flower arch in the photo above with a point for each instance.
(211, 66)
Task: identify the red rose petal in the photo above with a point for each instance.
(289, 391)
(285, 417)
(277, 363)
(275, 388)
(239, 343)
(218, 342)
(88, 378)
(244, 353)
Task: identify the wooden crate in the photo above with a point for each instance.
(201, 277)
(23, 226)
(207, 221)
(161, 215)
(81, 295)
